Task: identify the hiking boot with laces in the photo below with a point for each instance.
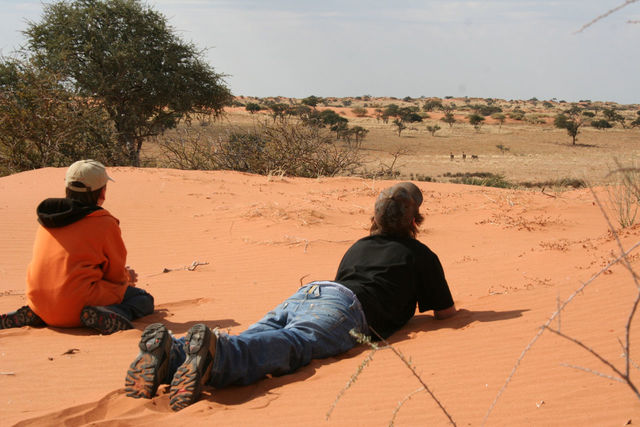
(23, 316)
(150, 367)
(104, 320)
(192, 375)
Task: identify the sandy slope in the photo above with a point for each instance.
(508, 256)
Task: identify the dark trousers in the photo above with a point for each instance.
(136, 303)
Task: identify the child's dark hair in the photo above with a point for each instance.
(86, 197)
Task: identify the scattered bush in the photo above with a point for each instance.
(502, 148)
(432, 104)
(601, 124)
(484, 179)
(476, 121)
(500, 117)
(486, 110)
(433, 129)
(557, 183)
(252, 107)
(516, 115)
(534, 119)
(449, 118)
(312, 101)
(359, 111)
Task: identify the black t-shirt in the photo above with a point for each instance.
(389, 276)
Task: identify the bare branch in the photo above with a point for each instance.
(604, 15)
(600, 374)
(548, 322)
(415, 374)
(589, 349)
(402, 402)
(352, 380)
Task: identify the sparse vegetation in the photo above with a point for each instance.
(601, 124)
(449, 118)
(290, 147)
(502, 148)
(433, 129)
(571, 123)
(476, 121)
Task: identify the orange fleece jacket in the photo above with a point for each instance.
(80, 264)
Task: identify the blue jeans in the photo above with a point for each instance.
(136, 303)
(313, 323)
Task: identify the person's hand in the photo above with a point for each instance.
(133, 276)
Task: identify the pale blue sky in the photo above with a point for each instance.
(511, 49)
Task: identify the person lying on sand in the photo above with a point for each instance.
(78, 274)
(380, 280)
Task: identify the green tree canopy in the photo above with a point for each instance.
(448, 118)
(125, 55)
(252, 107)
(601, 124)
(311, 101)
(476, 120)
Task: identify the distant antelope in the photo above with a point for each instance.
(464, 157)
(451, 156)
(474, 157)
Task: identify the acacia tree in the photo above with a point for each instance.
(500, 117)
(124, 55)
(449, 118)
(400, 125)
(571, 123)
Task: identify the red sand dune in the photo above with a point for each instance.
(508, 255)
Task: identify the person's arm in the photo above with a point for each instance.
(446, 313)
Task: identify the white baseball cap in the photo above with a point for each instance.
(86, 175)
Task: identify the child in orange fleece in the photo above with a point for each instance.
(78, 274)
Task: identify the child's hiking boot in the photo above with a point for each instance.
(149, 369)
(104, 320)
(200, 346)
(23, 316)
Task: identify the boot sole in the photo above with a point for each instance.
(150, 366)
(195, 371)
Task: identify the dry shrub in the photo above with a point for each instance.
(287, 146)
(624, 194)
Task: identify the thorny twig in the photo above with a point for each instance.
(415, 374)
(627, 264)
(604, 15)
(352, 380)
(591, 371)
(548, 322)
(590, 350)
(402, 402)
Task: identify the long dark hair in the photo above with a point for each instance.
(396, 217)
